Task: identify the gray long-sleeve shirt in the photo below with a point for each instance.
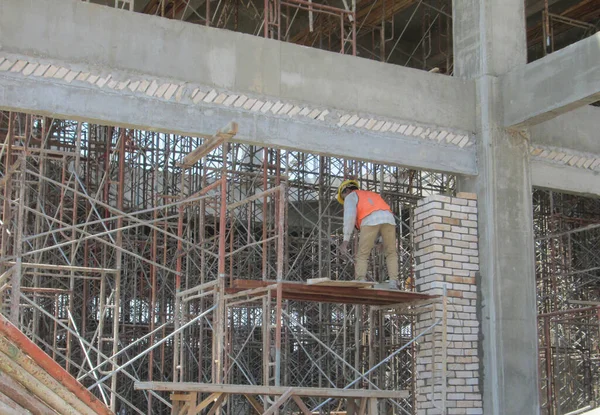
(376, 218)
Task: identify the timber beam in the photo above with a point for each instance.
(270, 390)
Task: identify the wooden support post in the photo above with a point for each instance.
(372, 406)
(351, 407)
(209, 145)
(185, 409)
(282, 399)
(211, 398)
(363, 407)
(217, 404)
(255, 404)
(182, 402)
(301, 405)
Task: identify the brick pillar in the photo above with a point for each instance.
(447, 255)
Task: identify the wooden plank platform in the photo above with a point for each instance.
(270, 390)
(340, 295)
(326, 282)
(36, 383)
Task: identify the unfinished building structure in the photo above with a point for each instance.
(166, 183)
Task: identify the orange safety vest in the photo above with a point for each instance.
(368, 202)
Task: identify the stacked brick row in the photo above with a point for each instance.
(447, 256)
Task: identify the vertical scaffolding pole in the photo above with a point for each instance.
(18, 271)
(220, 319)
(74, 244)
(118, 267)
(280, 246)
(179, 312)
(7, 209)
(153, 277)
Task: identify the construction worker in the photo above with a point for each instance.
(372, 216)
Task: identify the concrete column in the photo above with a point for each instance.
(447, 256)
(489, 40)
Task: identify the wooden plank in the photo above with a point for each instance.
(7, 407)
(37, 388)
(188, 400)
(341, 295)
(6, 274)
(326, 298)
(27, 365)
(335, 299)
(401, 308)
(217, 404)
(351, 407)
(326, 282)
(210, 144)
(350, 291)
(185, 409)
(311, 281)
(301, 405)
(372, 406)
(56, 267)
(17, 392)
(211, 398)
(183, 396)
(255, 404)
(270, 390)
(363, 407)
(282, 399)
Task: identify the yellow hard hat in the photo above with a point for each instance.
(343, 186)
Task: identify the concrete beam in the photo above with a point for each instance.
(565, 178)
(553, 85)
(565, 152)
(83, 33)
(576, 130)
(115, 99)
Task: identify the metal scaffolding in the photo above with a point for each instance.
(378, 30)
(107, 233)
(567, 267)
(115, 242)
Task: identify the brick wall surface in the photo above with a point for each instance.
(448, 256)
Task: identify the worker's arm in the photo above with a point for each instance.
(350, 204)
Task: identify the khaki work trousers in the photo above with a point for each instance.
(366, 240)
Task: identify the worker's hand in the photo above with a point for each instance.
(344, 248)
